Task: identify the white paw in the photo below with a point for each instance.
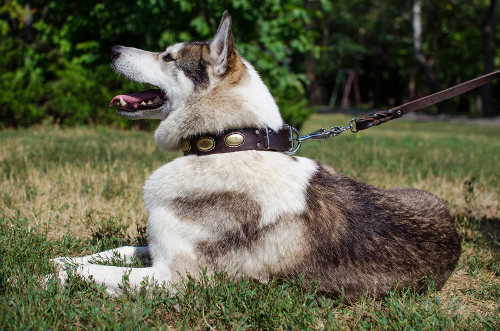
(60, 261)
(60, 273)
(61, 265)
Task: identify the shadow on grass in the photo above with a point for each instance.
(490, 230)
(481, 231)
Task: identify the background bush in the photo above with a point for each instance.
(55, 63)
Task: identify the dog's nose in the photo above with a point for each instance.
(115, 52)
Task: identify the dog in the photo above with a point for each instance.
(259, 212)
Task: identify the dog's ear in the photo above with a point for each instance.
(222, 45)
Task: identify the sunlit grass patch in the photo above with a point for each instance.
(72, 178)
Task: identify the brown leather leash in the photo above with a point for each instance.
(396, 112)
(288, 139)
(383, 116)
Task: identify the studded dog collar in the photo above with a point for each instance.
(235, 140)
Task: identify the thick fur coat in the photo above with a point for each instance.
(261, 214)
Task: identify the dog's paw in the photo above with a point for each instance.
(61, 265)
(60, 261)
(63, 276)
(46, 279)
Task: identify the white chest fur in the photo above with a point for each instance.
(274, 181)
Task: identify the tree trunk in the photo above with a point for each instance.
(28, 21)
(419, 56)
(312, 91)
(487, 31)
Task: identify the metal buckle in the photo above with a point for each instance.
(267, 138)
(295, 142)
(351, 126)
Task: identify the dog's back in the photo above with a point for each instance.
(364, 238)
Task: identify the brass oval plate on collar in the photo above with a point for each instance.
(234, 139)
(205, 144)
(185, 146)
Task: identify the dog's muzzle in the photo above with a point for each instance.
(115, 52)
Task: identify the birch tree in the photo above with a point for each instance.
(419, 55)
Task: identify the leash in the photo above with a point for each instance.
(383, 116)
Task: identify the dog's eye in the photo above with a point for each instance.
(168, 58)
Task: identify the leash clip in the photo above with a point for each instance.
(296, 138)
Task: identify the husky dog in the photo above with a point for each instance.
(259, 213)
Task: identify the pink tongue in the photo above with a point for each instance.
(136, 97)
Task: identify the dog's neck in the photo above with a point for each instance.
(240, 100)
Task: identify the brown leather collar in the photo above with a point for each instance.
(235, 140)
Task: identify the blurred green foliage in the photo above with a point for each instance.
(55, 54)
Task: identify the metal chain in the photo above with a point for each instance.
(296, 138)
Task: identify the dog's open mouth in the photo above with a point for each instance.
(145, 100)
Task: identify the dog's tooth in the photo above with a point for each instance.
(143, 103)
(150, 102)
(122, 102)
(157, 99)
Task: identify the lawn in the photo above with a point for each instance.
(77, 191)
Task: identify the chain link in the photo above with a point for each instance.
(296, 138)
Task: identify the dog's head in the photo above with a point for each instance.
(202, 87)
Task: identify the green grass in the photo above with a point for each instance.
(71, 192)
(215, 302)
